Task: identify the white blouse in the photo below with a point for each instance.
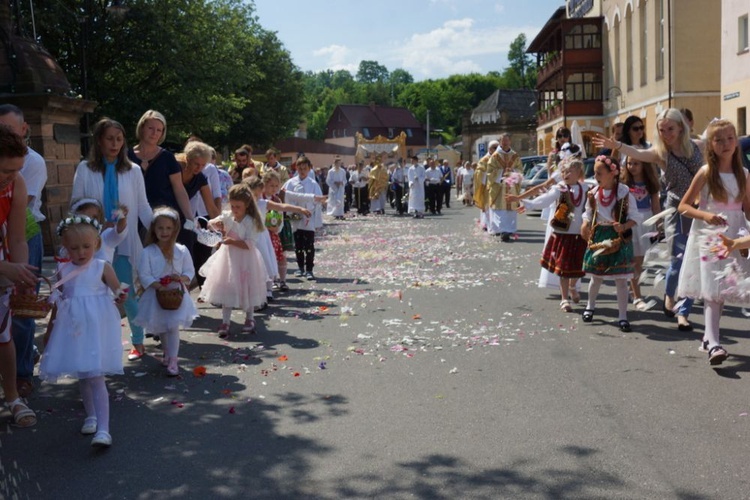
(132, 193)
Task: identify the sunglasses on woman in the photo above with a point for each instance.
(637, 128)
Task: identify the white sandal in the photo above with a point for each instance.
(565, 306)
(21, 416)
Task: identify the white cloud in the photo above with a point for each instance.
(458, 46)
(336, 57)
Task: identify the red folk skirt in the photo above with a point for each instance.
(563, 255)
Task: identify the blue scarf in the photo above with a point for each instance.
(111, 195)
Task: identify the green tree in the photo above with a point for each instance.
(207, 65)
(522, 71)
(371, 72)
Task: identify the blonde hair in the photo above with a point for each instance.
(196, 149)
(713, 177)
(241, 192)
(151, 115)
(674, 115)
(164, 212)
(254, 182)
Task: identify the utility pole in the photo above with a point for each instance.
(428, 132)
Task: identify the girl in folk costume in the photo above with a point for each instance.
(564, 250)
(84, 342)
(723, 187)
(235, 274)
(641, 178)
(503, 178)
(165, 265)
(378, 185)
(271, 213)
(611, 213)
(336, 180)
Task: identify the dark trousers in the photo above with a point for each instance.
(304, 249)
(398, 195)
(446, 188)
(434, 202)
(362, 200)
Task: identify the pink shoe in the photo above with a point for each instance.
(172, 369)
(223, 331)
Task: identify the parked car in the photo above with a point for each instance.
(530, 161)
(537, 175)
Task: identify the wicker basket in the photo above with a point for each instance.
(170, 299)
(31, 306)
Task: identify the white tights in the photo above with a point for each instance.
(96, 401)
(712, 315)
(622, 295)
(170, 341)
(226, 314)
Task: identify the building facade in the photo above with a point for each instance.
(655, 54)
(735, 63)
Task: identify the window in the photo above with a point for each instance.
(741, 121)
(659, 48)
(366, 132)
(390, 132)
(584, 87)
(643, 46)
(585, 36)
(629, 47)
(409, 133)
(742, 45)
(617, 52)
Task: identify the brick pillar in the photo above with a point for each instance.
(54, 122)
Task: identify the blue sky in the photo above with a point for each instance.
(428, 38)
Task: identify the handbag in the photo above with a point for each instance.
(287, 236)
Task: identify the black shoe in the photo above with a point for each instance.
(447, 206)
(310, 276)
(505, 237)
(624, 325)
(299, 273)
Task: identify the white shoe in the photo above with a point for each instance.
(89, 426)
(102, 439)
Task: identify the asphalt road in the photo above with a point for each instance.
(424, 363)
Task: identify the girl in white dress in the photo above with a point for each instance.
(722, 186)
(84, 341)
(164, 265)
(276, 209)
(235, 274)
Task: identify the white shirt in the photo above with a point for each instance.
(433, 176)
(308, 186)
(152, 265)
(399, 175)
(34, 173)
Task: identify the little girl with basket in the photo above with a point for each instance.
(611, 213)
(235, 273)
(165, 270)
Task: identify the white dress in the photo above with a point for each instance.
(86, 339)
(336, 193)
(265, 245)
(235, 277)
(151, 268)
(416, 177)
(698, 275)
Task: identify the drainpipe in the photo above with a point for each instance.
(671, 42)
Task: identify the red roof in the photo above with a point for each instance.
(374, 116)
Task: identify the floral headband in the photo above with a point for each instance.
(84, 201)
(167, 212)
(607, 161)
(75, 220)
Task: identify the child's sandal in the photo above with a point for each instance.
(565, 306)
(249, 327)
(575, 296)
(23, 416)
(717, 355)
(223, 331)
(624, 325)
(588, 315)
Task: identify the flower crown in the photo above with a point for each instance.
(83, 201)
(75, 220)
(166, 212)
(607, 161)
